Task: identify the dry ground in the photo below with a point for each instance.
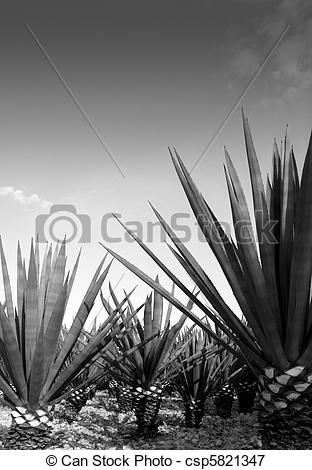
(100, 426)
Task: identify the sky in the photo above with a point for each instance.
(93, 93)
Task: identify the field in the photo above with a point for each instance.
(139, 353)
(99, 425)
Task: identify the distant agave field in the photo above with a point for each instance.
(141, 359)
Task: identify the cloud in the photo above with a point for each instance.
(291, 63)
(20, 196)
(246, 62)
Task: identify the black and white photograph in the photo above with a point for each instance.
(156, 233)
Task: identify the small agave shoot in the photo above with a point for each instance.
(270, 278)
(245, 385)
(228, 367)
(243, 381)
(32, 373)
(222, 368)
(143, 372)
(201, 372)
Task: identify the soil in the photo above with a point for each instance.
(99, 425)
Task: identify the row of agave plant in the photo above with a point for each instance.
(272, 341)
(169, 359)
(40, 360)
(44, 364)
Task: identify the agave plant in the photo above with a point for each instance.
(142, 373)
(203, 370)
(83, 386)
(223, 396)
(246, 386)
(244, 382)
(270, 277)
(32, 373)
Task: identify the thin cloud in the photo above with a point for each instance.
(292, 62)
(19, 196)
(246, 62)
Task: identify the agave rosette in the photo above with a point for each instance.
(154, 338)
(270, 277)
(34, 368)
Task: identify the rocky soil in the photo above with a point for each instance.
(99, 425)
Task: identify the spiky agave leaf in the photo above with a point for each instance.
(87, 362)
(205, 352)
(178, 304)
(31, 366)
(270, 279)
(142, 373)
(202, 368)
(269, 276)
(96, 345)
(144, 367)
